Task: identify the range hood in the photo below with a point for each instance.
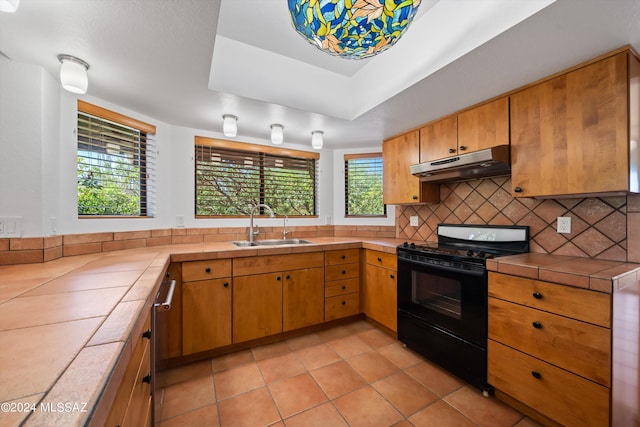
(489, 162)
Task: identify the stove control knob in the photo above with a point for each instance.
(405, 245)
(413, 245)
(482, 255)
(469, 252)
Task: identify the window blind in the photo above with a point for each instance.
(363, 185)
(115, 168)
(229, 181)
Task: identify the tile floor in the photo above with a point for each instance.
(351, 375)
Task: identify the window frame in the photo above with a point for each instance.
(356, 156)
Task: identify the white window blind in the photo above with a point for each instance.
(230, 180)
(363, 185)
(116, 168)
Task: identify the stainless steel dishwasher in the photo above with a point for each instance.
(161, 303)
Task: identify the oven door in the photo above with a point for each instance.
(451, 299)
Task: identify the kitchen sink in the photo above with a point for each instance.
(269, 242)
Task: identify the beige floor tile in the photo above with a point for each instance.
(296, 394)
(238, 380)
(280, 367)
(183, 373)
(440, 414)
(231, 360)
(187, 396)
(404, 393)
(304, 341)
(484, 411)
(338, 379)
(324, 415)
(317, 356)
(434, 378)
(205, 416)
(270, 350)
(349, 346)
(375, 338)
(255, 408)
(366, 408)
(400, 356)
(372, 366)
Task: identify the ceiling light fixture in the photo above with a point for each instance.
(277, 134)
(73, 74)
(229, 125)
(317, 139)
(353, 29)
(9, 5)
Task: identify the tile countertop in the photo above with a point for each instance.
(595, 274)
(65, 323)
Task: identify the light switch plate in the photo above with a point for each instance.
(564, 224)
(413, 221)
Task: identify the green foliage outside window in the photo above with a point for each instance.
(363, 195)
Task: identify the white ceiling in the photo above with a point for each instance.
(187, 62)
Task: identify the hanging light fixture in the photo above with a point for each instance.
(9, 5)
(73, 74)
(229, 125)
(277, 134)
(353, 29)
(317, 139)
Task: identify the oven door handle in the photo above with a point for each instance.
(410, 264)
(166, 305)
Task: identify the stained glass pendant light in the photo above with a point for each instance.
(352, 29)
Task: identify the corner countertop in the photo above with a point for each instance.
(64, 324)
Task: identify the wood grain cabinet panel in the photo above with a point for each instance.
(484, 126)
(341, 283)
(257, 306)
(439, 139)
(570, 134)
(342, 306)
(169, 322)
(203, 270)
(303, 298)
(380, 289)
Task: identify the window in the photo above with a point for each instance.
(363, 185)
(115, 164)
(231, 177)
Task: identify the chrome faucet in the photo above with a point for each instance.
(253, 233)
(284, 227)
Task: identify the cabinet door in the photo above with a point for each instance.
(381, 296)
(303, 298)
(439, 139)
(399, 186)
(569, 135)
(169, 323)
(257, 306)
(484, 127)
(206, 315)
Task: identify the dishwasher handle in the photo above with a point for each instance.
(166, 305)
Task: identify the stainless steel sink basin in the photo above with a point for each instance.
(269, 242)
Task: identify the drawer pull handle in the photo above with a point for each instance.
(537, 325)
(147, 379)
(147, 334)
(536, 375)
(225, 284)
(344, 287)
(537, 295)
(379, 259)
(208, 269)
(344, 271)
(344, 257)
(344, 303)
(415, 197)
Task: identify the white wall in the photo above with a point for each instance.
(38, 164)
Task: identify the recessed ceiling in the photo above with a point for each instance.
(187, 62)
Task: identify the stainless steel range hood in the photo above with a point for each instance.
(478, 164)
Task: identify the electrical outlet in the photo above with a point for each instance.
(179, 220)
(10, 226)
(413, 221)
(564, 224)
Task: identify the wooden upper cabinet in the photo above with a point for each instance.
(570, 134)
(483, 127)
(399, 186)
(439, 139)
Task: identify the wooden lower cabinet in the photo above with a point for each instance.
(380, 288)
(302, 298)
(342, 284)
(206, 320)
(257, 306)
(169, 323)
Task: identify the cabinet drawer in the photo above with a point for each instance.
(345, 256)
(560, 395)
(576, 346)
(341, 306)
(203, 270)
(593, 307)
(340, 272)
(382, 259)
(341, 287)
(277, 263)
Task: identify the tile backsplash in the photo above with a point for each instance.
(600, 226)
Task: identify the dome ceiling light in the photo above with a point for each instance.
(353, 29)
(73, 74)
(277, 134)
(229, 125)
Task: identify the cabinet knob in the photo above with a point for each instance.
(537, 325)
(344, 271)
(379, 259)
(415, 197)
(344, 257)
(225, 284)
(147, 379)
(288, 277)
(147, 334)
(344, 287)
(208, 269)
(392, 276)
(517, 190)
(537, 295)
(452, 150)
(168, 274)
(344, 303)
(462, 148)
(536, 375)
(278, 278)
